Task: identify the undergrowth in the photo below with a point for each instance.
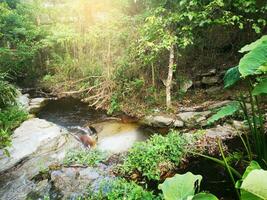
(120, 189)
(156, 156)
(85, 157)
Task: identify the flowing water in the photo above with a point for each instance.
(113, 135)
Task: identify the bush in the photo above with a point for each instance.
(84, 157)
(120, 189)
(156, 156)
(11, 117)
(8, 93)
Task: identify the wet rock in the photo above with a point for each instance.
(210, 80)
(72, 182)
(36, 104)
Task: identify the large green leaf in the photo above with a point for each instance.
(254, 186)
(252, 61)
(260, 88)
(231, 77)
(180, 187)
(252, 166)
(225, 111)
(253, 45)
(205, 196)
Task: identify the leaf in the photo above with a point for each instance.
(231, 77)
(224, 111)
(260, 88)
(252, 166)
(204, 196)
(254, 186)
(180, 186)
(252, 61)
(253, 45)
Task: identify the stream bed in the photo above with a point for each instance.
(113, 135)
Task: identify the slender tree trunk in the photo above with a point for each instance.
(153, 80)
(169, 79)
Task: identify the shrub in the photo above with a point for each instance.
(120, 189)
(8, 93)
(11, 117)
(84, 157)
(156, 156)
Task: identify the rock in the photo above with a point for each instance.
(23, 100)
(240, 126)
(218, 104)
(192, 119)
(178, 124)
(210, 80)
(222, 132)
(37, 104)
(210, 72)
(197, 83)
(36, 144)
(214, 90)
(185, 85)
(32, 134)
(158, 121)
(72, 182)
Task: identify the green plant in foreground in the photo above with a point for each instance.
(120, 189)
(85, 157)
(251, 70)
(184, 187)
(156, 156)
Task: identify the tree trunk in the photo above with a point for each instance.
(169, 79)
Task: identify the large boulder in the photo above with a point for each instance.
(36, 145)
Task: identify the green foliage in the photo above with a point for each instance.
(253, 183)
(184, 187)
(5, 140)
(11, 117)
(156, 156)
(231, 77)
(251, 62)
(224, 112)
(120, 189)
(85, 157)
(260, 88)
(8, 93)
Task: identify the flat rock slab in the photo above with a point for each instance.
(30, 136)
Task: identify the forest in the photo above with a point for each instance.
(133, 99)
